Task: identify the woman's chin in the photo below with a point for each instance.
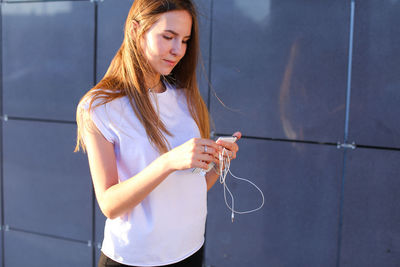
(166, 72)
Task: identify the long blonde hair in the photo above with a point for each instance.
(125, 75)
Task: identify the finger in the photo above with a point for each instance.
(201, 164)
(230, 150)
(211, 150)
(238, 135)
(208, 150)
(216, 160)
(229, 154)
(207, 142)
(229, 146)
(207, 158)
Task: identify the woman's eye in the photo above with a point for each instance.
(167, 37)
(185, 41)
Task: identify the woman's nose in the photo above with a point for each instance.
(177, 48)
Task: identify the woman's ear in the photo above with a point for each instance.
(134, 27)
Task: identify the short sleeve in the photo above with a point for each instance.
(99, 116)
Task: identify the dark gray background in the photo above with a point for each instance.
(314, 86)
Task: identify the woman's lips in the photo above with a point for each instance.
(169, 62)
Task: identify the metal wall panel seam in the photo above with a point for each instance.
(7, 228)
(340, 222)
(5, 118)
(95, 45)
(1, 138)
(346, 145)
(280, 139)
(349, 70)
(210, 55)
(379, 147)
(339, 145)
(212, 134)
(346, 132)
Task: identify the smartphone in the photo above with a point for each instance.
(230, 139)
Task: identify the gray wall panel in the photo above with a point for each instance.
(375, 92)
(24, 249)
(280, 67)
(111, 23)
(204, 17)
(97, 256)
(298, 225)
(99, 224)
(371, 232)
(47, 187)
(47, 57)
(1, 246)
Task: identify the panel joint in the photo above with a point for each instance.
(346, 145)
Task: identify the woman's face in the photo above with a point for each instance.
(165, 42)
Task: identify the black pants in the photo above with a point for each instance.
(196, 260)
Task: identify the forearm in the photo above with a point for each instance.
(123, 197)
(211, 177)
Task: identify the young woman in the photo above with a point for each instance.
(145, 127)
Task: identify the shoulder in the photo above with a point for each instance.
(100, 111)
(102, 101)
(100, 108)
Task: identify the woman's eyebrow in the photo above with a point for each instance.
(175, 33)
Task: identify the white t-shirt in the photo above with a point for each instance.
(168, 225)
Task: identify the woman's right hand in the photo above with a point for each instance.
(195, 153)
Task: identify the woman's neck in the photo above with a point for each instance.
(155, 85)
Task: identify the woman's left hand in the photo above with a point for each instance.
(232, 148)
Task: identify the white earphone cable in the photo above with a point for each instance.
(224, 157)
